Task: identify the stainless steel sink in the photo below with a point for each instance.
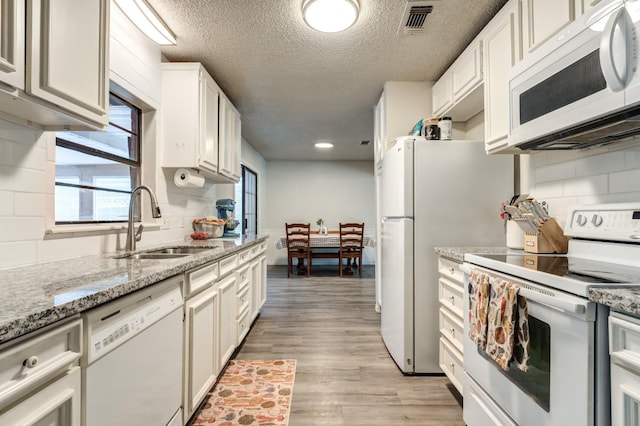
(179, 250)
(156, 255)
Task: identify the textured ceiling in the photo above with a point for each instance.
(295, 86)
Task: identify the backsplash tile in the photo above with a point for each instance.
(601, 175)
(6, 203)
(17, 253)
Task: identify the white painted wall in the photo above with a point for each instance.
(573, 177)
(303, 191)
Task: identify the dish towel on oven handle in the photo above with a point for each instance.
(479, 288)
(508, 327)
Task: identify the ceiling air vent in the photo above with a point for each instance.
(415, 15)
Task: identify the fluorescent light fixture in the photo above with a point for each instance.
(330, 16)
(147, 20)
(324, 145)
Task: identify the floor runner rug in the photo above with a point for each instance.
(255, 392)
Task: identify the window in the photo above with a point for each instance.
(247, 200)
(97, 171)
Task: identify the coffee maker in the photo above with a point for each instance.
(226, 208)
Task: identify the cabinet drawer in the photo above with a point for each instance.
(244, 300)
(624, 341)
(199, 279)
(258, 249)
(244, 275)
(244, 256)
(243, 323)
(452, 328)
(38, 359)
(451, 296)
(450, 269)
(451, 363)
(228, 264)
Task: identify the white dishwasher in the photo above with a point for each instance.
(132, 371)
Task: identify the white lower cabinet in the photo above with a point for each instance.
(200, 348)
(57, 404)
(624, 349)
(40, 379)
(451, 324)
(226, 288)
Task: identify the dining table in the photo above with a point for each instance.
(329, 241)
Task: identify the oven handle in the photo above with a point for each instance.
(552, 302)
(530, 293)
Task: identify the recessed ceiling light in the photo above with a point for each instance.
(324, 145)
(330, 16)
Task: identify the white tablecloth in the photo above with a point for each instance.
(331, 240)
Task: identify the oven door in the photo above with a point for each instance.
(558, 389)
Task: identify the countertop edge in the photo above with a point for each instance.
(22, 325)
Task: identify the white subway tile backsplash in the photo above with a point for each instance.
(21, 180)
(6, 203)
(586, 186)
(17, 254)
(15, 133)
(556, 172)
(596, 165)
(29, 204)
(627, 181)
(622, 197)
(547, 190)
(21, 228)
(25, 156)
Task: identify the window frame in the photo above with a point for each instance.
(137, 131)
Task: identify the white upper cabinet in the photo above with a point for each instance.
(12, 43)
(56, 74)
(442, 94)
(230, 140)
(200, 127)
(502, 50)
(458, 93)
(541, 19)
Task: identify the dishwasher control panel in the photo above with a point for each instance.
(115, 323)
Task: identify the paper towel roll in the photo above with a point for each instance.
(186, 178)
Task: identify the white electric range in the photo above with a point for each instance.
(568, 381)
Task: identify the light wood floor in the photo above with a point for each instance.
(344, 375)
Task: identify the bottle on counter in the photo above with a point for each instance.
(445, 128)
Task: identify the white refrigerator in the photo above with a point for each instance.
(433, 194)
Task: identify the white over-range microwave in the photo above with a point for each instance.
(581, 88)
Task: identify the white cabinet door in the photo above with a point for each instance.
(12, 41)
(442, 94)
(68, 58)
(466, 71)
(544, 18)
(229, 149)
(501, 52)
(583, 6)
(263, 280)
(228, 311)
(208, 142)
(256, 284)
(201, 364)
(57, 404)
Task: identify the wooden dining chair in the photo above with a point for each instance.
(351, 238)
(298, 245)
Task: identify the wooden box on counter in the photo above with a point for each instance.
(550, 239)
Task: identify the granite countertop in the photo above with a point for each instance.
(38, 295)
(457, 253)
(624, 299)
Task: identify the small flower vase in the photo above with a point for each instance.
(323, 230)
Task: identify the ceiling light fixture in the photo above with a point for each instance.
(323, 145)
(147, 20)
(330, 16)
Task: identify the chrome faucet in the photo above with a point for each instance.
(155, 212)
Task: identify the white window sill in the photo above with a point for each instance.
(85, 230)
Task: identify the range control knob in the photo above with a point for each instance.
(581, 220)
(596, 220)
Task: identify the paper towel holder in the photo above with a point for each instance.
(188, 178)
